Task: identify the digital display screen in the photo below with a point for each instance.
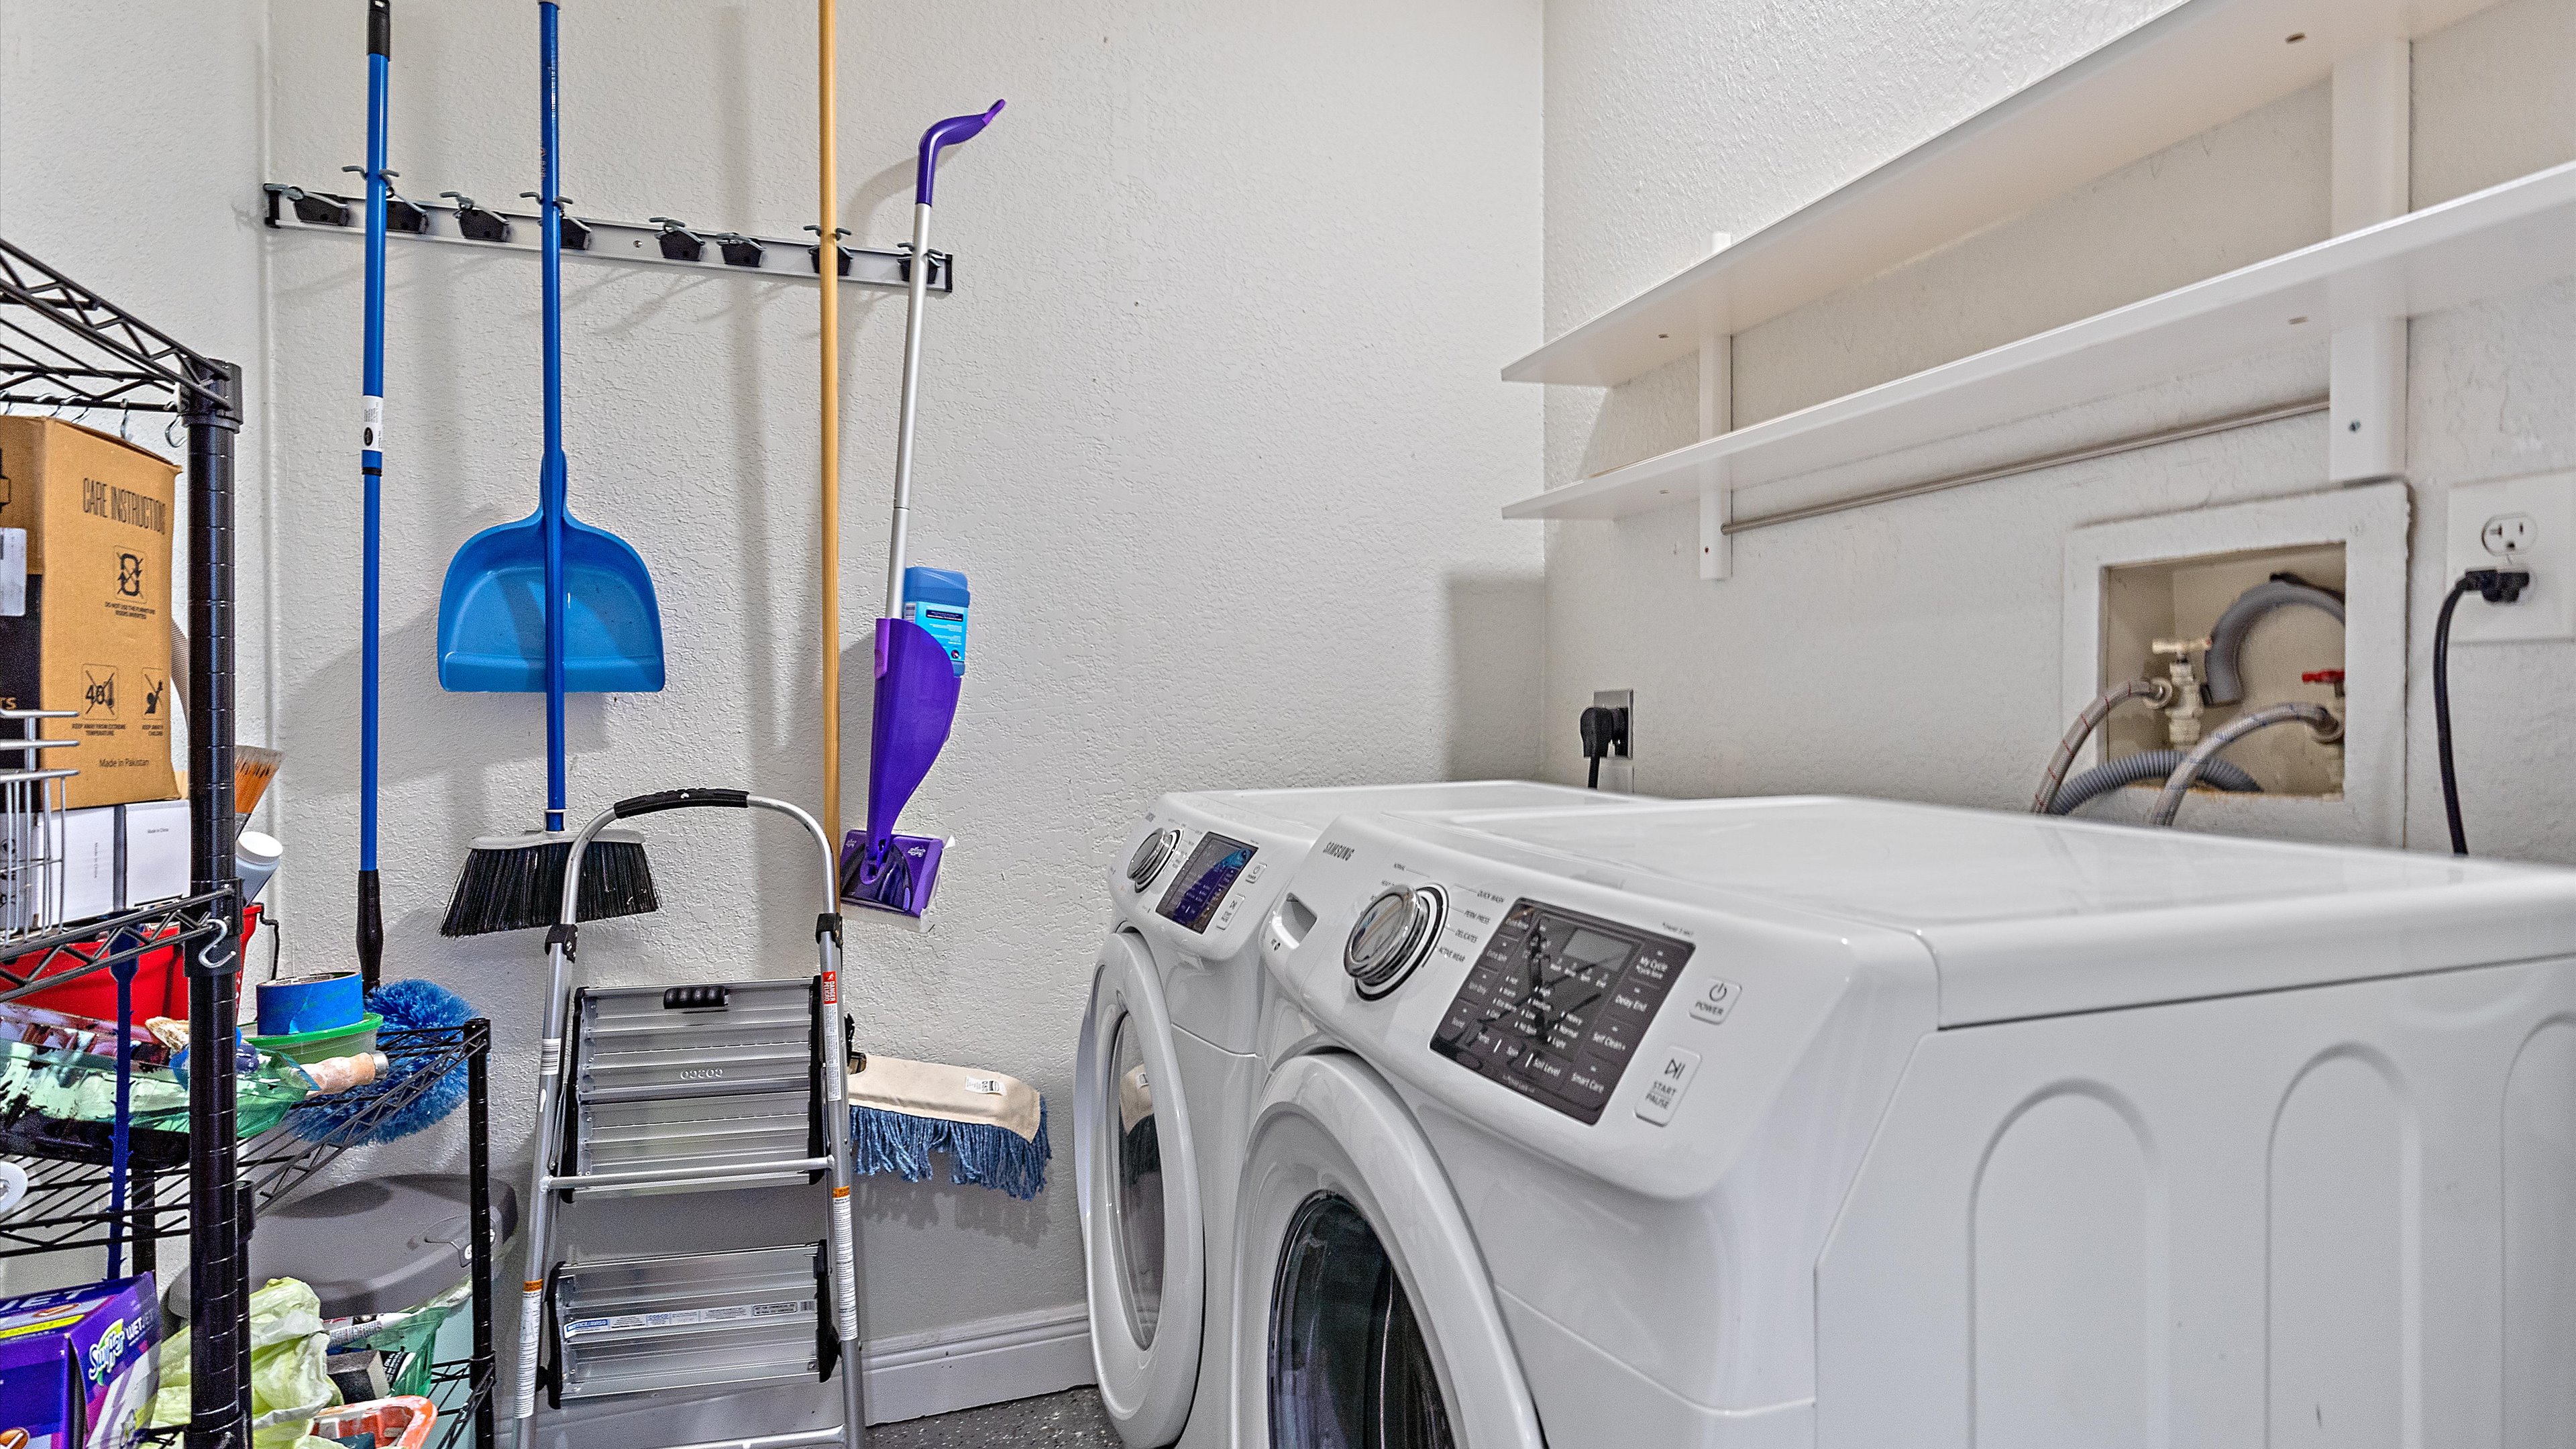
(1594, 949)
(1205, 877)
(1557, 1004)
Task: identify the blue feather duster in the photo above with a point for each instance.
(979, 1153)
(412, 1005)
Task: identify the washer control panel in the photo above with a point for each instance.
(1556, 1005)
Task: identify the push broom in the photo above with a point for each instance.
(602, 633)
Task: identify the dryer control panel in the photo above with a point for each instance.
(1556, 1005)
(1212, 869)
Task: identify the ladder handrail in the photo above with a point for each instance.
(695, 797)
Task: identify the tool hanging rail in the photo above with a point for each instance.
(662, 242)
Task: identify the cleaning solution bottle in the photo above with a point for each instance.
(936, 599)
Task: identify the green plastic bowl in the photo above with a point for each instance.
(303, 1047)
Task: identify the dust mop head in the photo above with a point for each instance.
(993, 1128)
(515, 882)
(980, 1154)
(406, 1006)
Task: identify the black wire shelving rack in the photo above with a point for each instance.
(65, 347)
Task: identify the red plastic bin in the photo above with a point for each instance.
(160, 985)
(397, 1423)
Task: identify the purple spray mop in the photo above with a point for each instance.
(916, 691)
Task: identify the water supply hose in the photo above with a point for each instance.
(2321, 723)
(2227, 637)
(2156, 692)
(2156, 765)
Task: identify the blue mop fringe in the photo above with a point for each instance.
(979, 1153)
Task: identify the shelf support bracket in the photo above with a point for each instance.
(2372, 165)
(1716, 492)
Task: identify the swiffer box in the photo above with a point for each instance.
(76, 1365)
(96, 634)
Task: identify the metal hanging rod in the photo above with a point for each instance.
(661, 242)
(2131, 444)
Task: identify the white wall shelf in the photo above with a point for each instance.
(2200, 64)
(2504, 239)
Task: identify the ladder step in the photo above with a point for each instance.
(674, 1091)
(738, 1174)
(694, 1320)
(797, 1440)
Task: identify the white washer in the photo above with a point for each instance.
(1851, 1124)
(1167, 1076)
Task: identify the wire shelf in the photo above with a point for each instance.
(37, 963)
(67, 1202)
(62, 345)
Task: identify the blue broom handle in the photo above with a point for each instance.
(552, 485)
(372, 457)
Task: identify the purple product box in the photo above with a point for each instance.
(76, 1365)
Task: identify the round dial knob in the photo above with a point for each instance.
(1150, 855)
(1392, 936)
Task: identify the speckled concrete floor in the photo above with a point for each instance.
(1069, 1420)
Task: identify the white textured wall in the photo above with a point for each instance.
(1210, 423)
(130, 136)
(129, 160)
(1911, 650)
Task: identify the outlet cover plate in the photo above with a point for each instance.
(2527, 523)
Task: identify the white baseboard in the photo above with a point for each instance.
(985, 1362)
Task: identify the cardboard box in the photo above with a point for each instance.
(77, 1369)
(95, 637)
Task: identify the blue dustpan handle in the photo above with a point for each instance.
(551, 482)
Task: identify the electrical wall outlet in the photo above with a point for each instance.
(2519, 523)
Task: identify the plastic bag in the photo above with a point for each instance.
(288, 1384)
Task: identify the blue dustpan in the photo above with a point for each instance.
(492, 612)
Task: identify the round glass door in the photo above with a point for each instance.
(1136, 1184)
(1348, 1365)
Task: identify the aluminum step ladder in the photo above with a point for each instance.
(692, 1089)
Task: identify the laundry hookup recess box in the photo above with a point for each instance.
(95, 637)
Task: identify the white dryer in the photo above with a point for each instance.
(1850, 1124)
(1167, 1075)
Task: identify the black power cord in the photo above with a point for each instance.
(1605, 731)
(2496, 586)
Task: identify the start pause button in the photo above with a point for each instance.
(1672, 1076)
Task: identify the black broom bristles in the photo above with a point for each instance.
(515, 883)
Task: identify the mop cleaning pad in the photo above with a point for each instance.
(993, 1127)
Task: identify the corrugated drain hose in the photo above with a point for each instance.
(2158, 765)
(2157, 692)
(2227, 637)
(2320, 721)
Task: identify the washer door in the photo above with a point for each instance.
(1364, 1315)
(1142, 1235)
